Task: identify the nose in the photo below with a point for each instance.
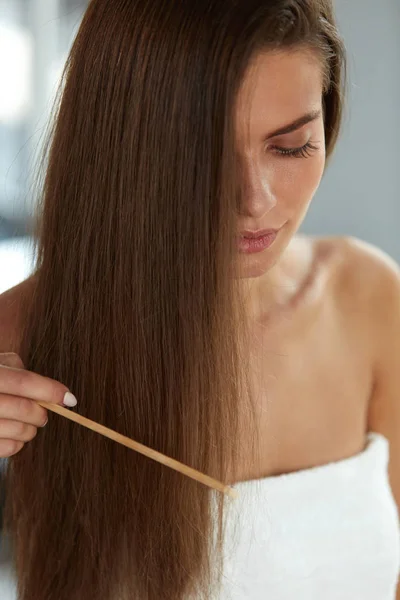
(257, 197)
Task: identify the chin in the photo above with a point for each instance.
(253, 273)
(256, 265)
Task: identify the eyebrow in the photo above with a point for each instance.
(307, 118)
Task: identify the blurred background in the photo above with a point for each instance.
(359, 195)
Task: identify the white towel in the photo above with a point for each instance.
(328, 532)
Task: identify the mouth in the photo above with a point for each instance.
(256, 243)
(257, 234)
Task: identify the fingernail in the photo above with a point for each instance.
(47, 420)
(70, 400)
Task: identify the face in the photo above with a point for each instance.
(281, 171)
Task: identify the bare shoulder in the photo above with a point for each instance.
(361, 272)
(13, 302)
(365, 289)
(369, 261)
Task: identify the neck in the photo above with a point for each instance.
(275, 288)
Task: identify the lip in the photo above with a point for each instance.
(253, 245)
(257, 234)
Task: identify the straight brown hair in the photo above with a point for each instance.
(136, 305)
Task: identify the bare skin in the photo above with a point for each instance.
(313, 363)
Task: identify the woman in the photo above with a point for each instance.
(184, 129)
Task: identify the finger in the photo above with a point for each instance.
(10, 447)
(22, 409)
(19, 382)
(11, 359)
(16, 430)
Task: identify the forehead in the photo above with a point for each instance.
(278, 88)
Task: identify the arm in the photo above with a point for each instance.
(384, 410)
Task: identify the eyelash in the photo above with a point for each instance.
(303, 152)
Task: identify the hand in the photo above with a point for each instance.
(20, 415)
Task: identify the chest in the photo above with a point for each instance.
(311, 379)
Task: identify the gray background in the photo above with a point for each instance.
(360, 192)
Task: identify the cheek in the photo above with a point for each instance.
(313, 173)
(298, 179)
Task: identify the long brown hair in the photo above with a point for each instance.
(136, 305)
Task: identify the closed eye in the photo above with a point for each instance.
(303, 152)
